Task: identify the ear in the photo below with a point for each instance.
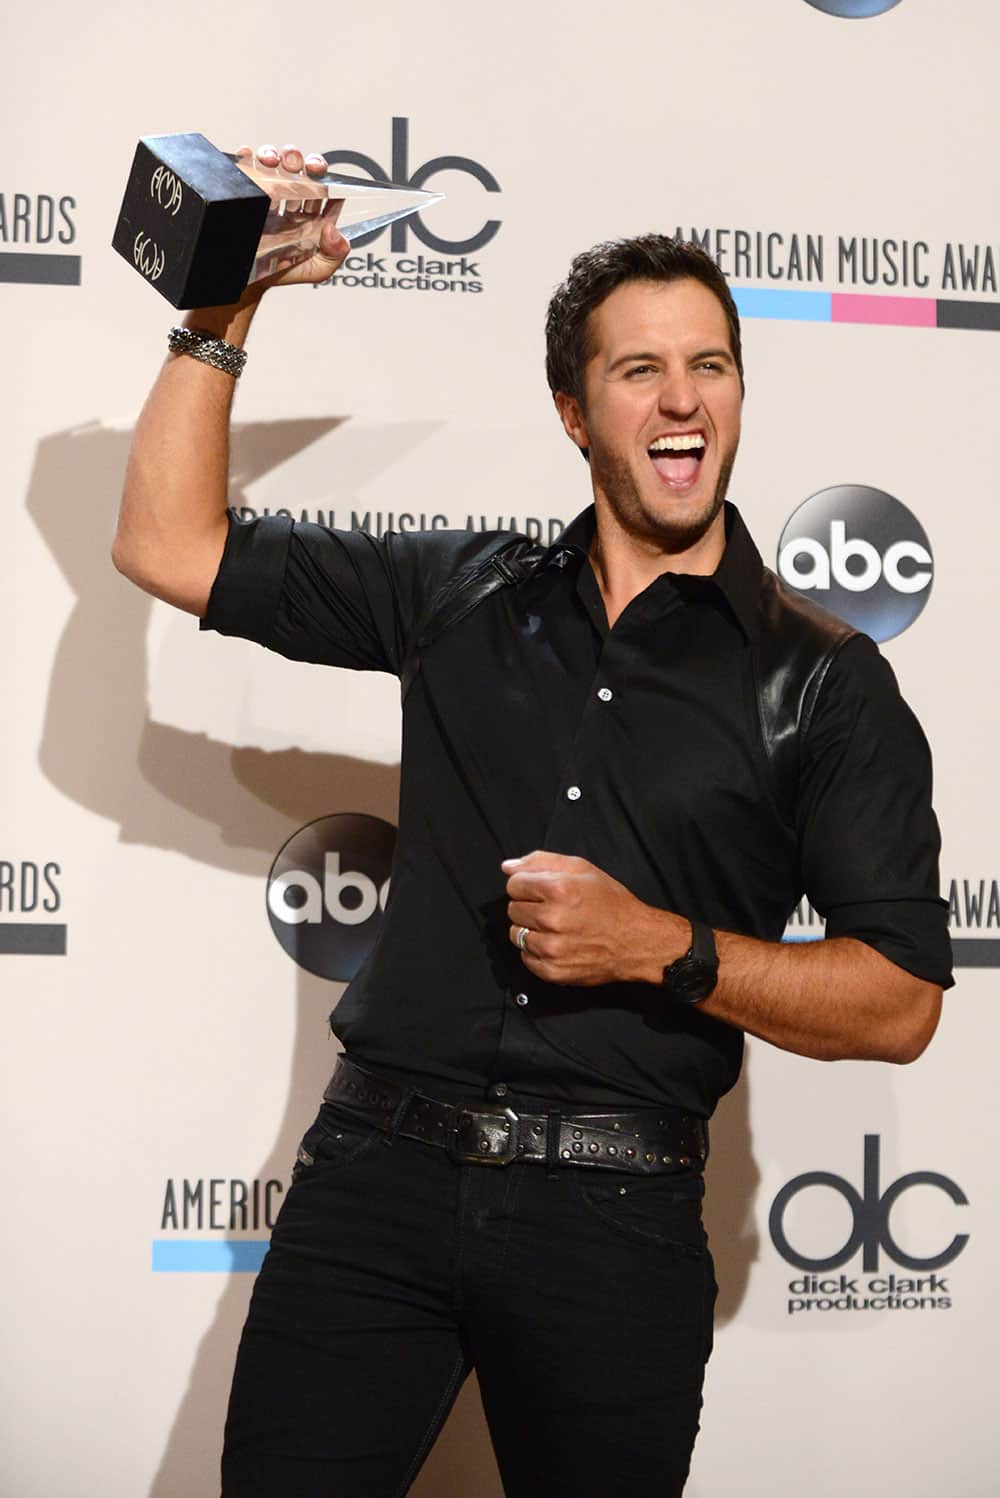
(572, 417)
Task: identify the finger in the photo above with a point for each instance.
(540, 861)
(315, 162)
(267, 155)
(509, 864)
(541, 946)
(292, 159)
(534, 915)
(333, 246)
(541, 886)
(514, 937)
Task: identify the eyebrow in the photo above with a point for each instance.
(708, 353)
(715, 353)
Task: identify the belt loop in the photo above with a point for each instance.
(395, 1123)
(552, 1135)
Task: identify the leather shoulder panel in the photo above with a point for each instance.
(509, 560)
(797, 643)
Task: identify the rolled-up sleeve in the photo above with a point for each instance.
(336, 598)
(868, 835)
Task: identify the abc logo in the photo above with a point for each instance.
(854, 10)
(327, 890)
(861, 554)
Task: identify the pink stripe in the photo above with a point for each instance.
(899, 311)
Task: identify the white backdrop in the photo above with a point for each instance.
(152, 775)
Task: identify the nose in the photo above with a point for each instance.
(678, 394)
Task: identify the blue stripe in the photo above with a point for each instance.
(790, 306)
(806, 936)
(208, 1255)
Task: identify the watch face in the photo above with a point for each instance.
(690, 979)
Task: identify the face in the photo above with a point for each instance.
(661, 409)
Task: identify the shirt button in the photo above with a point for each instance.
(521, 998)
(574, 793)
(605, 694)
(499, 1089)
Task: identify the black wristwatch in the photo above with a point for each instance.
(692, 977)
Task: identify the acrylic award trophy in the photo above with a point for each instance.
(201, 225)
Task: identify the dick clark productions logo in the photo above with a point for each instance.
(853, 10)
(327, 890)
(860, 553)
(418, 178)
(871, 1210)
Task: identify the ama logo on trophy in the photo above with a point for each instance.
(167, 189)
(861, 554)
(853, 10)
(148, 256)
(327, 890)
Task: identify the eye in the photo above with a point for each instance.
(639, 369)
(712, 366)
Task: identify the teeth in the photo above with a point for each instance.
(676, 444)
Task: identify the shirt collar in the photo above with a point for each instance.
(737, 577)
(575, 540)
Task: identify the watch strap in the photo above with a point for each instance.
(703, 944)
(693, 977)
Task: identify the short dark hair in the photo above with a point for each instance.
(596, 273)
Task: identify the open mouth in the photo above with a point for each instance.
(678, 457)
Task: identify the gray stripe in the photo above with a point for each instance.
(975, 951)
(26, 938)
(968, 315)
(40, 269)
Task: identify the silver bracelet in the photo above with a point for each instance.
(214, 351)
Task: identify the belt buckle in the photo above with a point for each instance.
(474, 1141)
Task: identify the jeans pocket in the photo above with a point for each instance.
(663, 1209)
(331, 1141)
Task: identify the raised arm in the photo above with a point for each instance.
(172, 524)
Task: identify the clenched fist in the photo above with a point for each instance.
(584, 928)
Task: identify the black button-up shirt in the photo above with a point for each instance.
(531, 724)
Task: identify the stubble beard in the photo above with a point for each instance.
(616, 481)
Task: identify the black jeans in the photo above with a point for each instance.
(582, 1298)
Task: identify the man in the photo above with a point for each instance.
(687, 749)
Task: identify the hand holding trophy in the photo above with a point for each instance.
(301, 242)
(203, 226)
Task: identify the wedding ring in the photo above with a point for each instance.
(522, 937)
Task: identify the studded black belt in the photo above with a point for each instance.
(646, 1143)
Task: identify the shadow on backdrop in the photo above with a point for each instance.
(232, 807)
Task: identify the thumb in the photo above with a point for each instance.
(333, 246)
(539, 859)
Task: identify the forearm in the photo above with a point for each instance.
(832, 1000)
(172, 524)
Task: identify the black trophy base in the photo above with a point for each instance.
(190, 221)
